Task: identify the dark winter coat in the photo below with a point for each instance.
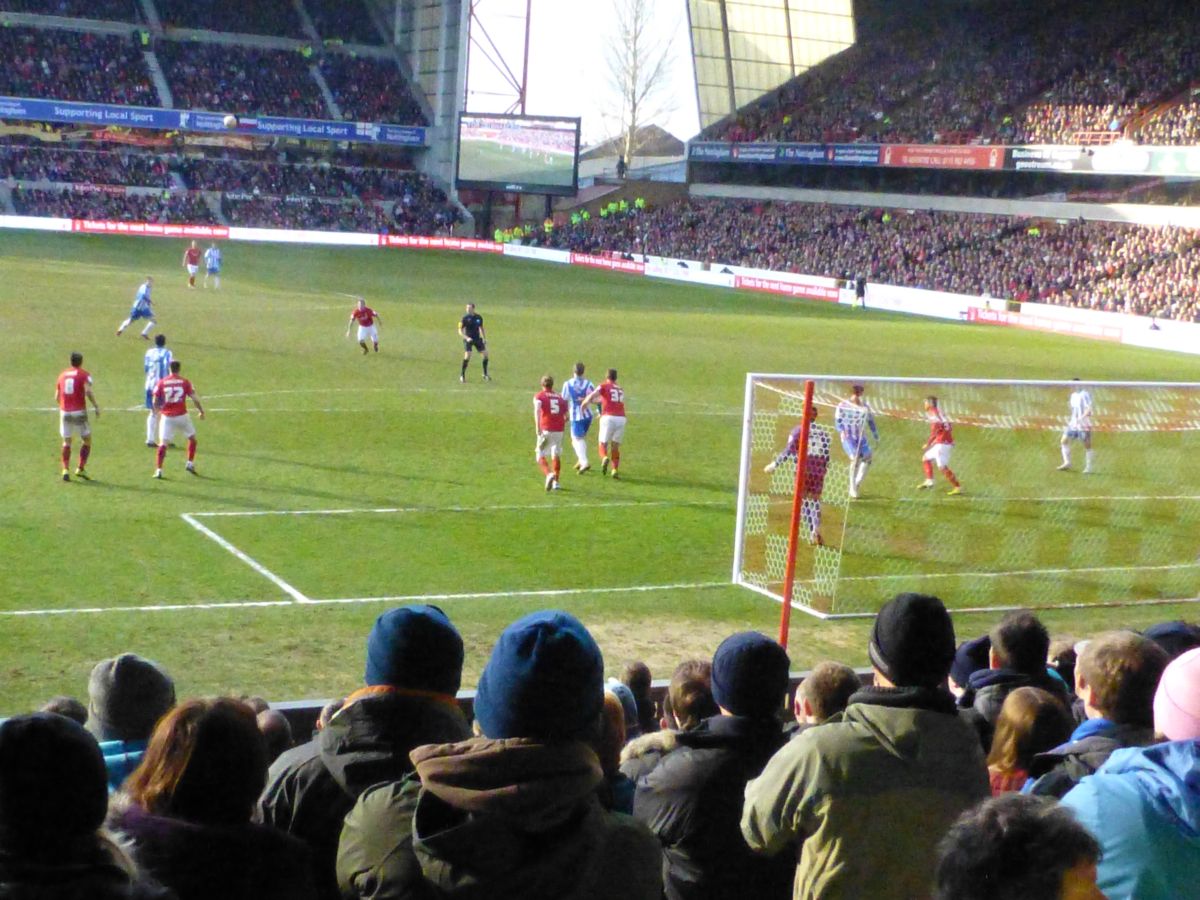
(692, 800)
(97, 877)
(987, 690)
(310, 788)
(1057, 771)
(204, 862)
(497, 819)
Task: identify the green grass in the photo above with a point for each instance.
(485, 160)
(300, 420)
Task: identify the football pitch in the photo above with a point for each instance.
(484, 160)
(332, 485)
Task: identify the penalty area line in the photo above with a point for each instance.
(254, 564)
(400, 598)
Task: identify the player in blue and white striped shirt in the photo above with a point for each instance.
(141, 309)
(573, 391)
(157, 367)
(212, 265)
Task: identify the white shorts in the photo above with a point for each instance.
(192, 270)
(170, 426)
(939, 454)
(74, 424)
(368, 331)
(549, 445)
(612, 429)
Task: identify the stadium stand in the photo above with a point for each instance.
(68, 65)
(241, 80)
(89, 204)
(120, 10)
(343, 20)
(1098, 265)
(24, 163)
(300, 212)
(274, 17)
(370, 90)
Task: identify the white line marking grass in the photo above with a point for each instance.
(246, 558)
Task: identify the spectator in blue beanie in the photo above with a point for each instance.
(513, 812)
(413, 672)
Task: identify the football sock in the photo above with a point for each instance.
(950, 477)
(1087, 459)
(616, 458)
(543, 465)
(124, 325)
(146, 330)
(464, 367)
(84, 452)
(162, 454)
(1066, 452)
(603, 452)
(376, 347)
(557, 466)
(150, 429)
(191, 449)
(485, 364)
(191, 281)
(363, 344)
(66, 456)
(580, 446)
(928, 469)
(217, 282)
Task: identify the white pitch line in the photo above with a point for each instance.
(977, 498)
(912, 576)
(546, 592)
(408, 598)
(258, 567)
(247, 513)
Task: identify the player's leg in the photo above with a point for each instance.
(216, 281)
(616, 433)
(462, 375)
(579, 432)
(149, 325)
(166, 431)
(191, 458)
(66, 458)
(927, 465)
(124, 325)
(484, 355)
(614, 453)
(1088, 456)
(1065, 447)
(943, 462)
(556, 456)
(85, 451)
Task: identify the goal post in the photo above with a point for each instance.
(1022, 532)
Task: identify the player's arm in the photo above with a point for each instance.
(196, 401)
(537, 420)
(349, 324)
(87, 392)
(590, 398)
(157, 398)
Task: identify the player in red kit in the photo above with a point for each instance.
(170, 400)
(366, 318)
(612, 421)
(71, 393)
(549, 420)
(191, 262)
(937, 448)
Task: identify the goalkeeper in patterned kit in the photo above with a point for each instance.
(1079, 428)
(852, 419)
(549, 419)
(938, 448)
(815, 469)
(574, 390)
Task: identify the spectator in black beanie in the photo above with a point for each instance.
(692, 800)
(413, 672)
(127, 695)
(53, 798)
(868, 796)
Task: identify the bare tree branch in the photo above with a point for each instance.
(638, 65)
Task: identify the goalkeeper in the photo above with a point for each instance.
(852, 419)
(814, 474)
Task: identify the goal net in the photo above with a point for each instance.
(1023, 531)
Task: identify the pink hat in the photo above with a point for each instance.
(1177, 701)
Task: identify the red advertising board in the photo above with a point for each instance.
(614, 264)
(790, 288)
(1044, 323)
(439, 243)
(152, 229)
(942, 156)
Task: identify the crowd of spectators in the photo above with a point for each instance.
(302, 213)
(70, 203)
(367, 89)
(241, 80)
(994, 72)
(121, 10)
(347, 21)
(282, 179)
(1178, 124)
(1146, 270)
(68, 65)
(128, 168)
(568, 785)
(276, 17)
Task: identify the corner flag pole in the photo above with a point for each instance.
(789, 572)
